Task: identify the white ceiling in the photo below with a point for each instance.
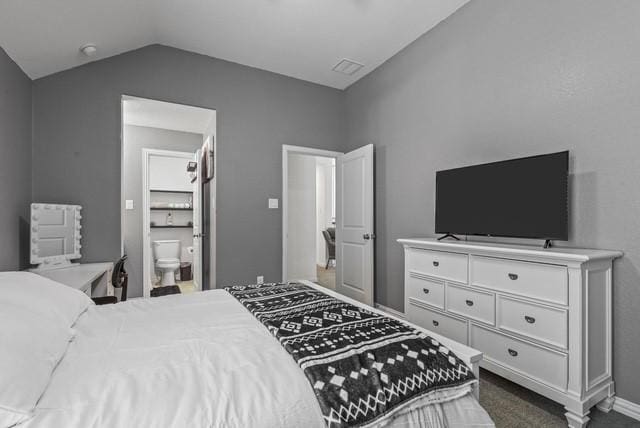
(159, 114)
(297, 38)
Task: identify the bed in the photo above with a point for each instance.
(196, 360)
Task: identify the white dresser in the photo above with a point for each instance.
(542, 317)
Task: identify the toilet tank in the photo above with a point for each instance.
(167, 249)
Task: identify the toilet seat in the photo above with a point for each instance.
(167, 263)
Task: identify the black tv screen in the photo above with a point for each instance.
(526, 198)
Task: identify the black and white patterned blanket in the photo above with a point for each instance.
(361, 365)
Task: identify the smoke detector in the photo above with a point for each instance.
(347, 66)
(89, 49)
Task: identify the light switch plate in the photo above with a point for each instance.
(128, 204)
(273, 203)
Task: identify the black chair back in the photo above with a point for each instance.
(332, 232)
(331, 243)
(331, 246)
(120, 278)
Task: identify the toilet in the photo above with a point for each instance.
(166, 255)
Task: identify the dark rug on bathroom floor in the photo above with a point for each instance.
(165, 291)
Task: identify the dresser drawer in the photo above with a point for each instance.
(437, 322)
(426, 290)
(535, 280)
(544, 365)
(451, 266)
(541, 323)
(477, 305)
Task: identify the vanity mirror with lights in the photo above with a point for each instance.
(55, 235)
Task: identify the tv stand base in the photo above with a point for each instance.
(448, 235)
(548, 243)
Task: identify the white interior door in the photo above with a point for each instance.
(354, 224)
(197, 218)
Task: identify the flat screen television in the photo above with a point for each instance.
(524, 198)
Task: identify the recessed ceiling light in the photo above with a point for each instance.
(347, 66)
(89, 49)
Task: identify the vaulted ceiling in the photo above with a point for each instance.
(298, 38)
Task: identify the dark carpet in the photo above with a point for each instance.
(512, 406)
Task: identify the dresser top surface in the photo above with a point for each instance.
(514, 250)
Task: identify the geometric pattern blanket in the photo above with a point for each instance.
(362, 366)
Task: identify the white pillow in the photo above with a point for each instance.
(36, 315)
(30, 348)
(40, 295)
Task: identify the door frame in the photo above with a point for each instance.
(286, 151)
(146, 212)
(212, 131)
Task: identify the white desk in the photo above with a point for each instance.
(86, 277)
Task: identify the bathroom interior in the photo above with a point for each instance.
(166, 181)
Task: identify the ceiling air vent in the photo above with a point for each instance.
(348, 67)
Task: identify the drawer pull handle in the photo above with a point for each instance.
(529, 319)
(436, 264)
(425, 290)
(513, 276)
(512, 352)
(469, 302)
(436, 323)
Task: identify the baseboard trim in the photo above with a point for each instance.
(627, 408)
(390, 311)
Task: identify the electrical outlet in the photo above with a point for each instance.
(260, 279)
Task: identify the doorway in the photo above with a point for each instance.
(165, 212)
(310, 207)
(328, 219)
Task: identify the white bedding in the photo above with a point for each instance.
(197, 360)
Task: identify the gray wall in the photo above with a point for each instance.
(15, 164)
(502, 79)
(76, 143)
(135, 139)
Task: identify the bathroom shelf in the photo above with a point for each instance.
(170, 209)
(186, 192)
(178, 226)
